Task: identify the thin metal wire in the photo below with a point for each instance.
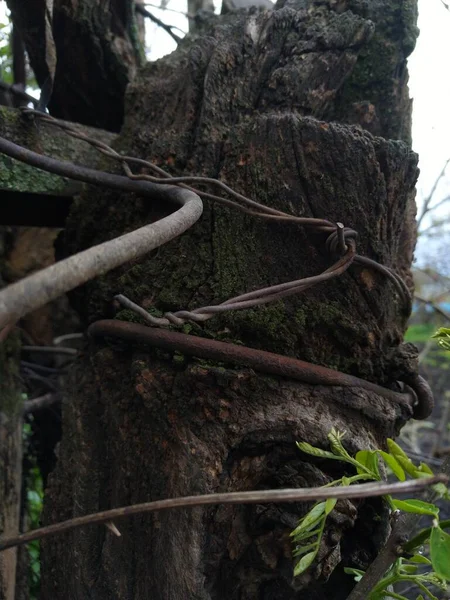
(247, 300)
(340, 240)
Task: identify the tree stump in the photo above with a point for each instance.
(254, 101)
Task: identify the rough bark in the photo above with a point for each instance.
(10, 448)
(98, 52)
(249, 102)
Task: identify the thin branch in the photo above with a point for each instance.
(51, 350)
(17, 91)
(401, 532)
(424, 458)
(433, 305)
(363, 490)
(38, 289)
(426, 203)
(440, 203)
(19, 63)
(431, 229)
(173, 10)
(39, 403)
(67, 337)
(167, 28)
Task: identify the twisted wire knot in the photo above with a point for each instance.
(340, 239)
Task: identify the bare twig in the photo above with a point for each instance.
(173, 10)
(17, 91)
(19, 65)
(434, 227)
(426, 203)
(254, 497)
(433, 305)
(36, 404)
(67, 337)
(51, 350)
(167, 28)
(110, 525)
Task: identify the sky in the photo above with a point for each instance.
(430, 90)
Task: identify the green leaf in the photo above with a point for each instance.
(420, 559)
(369, 460)
(409, 467)
(442, 490)
(443, 337)
(330, 503)
(422, 537)
(395, 449)
(335, 438)
(313, 451)
(424, 468)
(358, 574)
(393, 464)
(402, 458)
(409, 569)
(416, 506)
(440, 552)
(311, 518)
(304, 535)
(299, 550)
(306, 561)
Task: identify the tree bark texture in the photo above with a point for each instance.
(22, 251)
(254, 101)
(98, 50)
(10, 446)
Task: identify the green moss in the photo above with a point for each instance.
(20, 177)
(300, 318)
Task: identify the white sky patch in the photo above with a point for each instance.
(430, 89)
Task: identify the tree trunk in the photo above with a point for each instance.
(10, 446)
(253, 102)
(98, 51)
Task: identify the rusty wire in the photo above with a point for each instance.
(340, 240)
(248, 300)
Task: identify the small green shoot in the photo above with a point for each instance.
(308, 534)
